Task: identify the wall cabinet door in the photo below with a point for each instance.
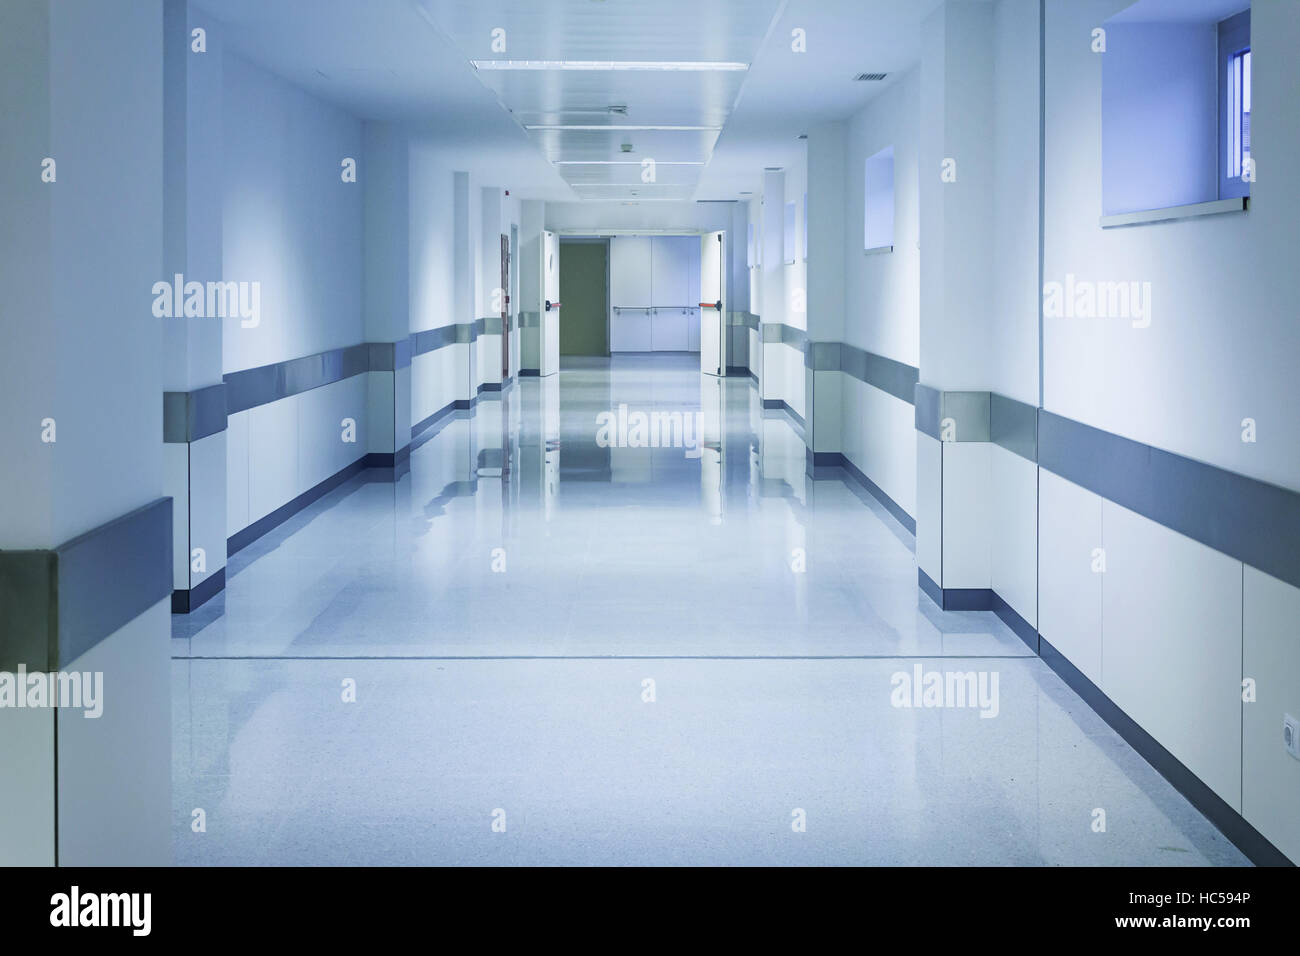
(671, 270)
(630, 272)
(631, 330)
(670, 330)
(652, 279)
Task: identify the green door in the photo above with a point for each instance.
(584, 267)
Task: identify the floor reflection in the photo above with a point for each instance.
(502, 606)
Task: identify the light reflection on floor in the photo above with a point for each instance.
(502, 608)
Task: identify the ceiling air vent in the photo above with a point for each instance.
(870, 77)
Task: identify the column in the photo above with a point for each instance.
(85, 529)
(194, 398)
(385, 180)
(773, 285)
(827, 242)
(957, 218)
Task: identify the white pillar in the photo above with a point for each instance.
(84, 526)
(385, 182)
(827, 242)
(194, 411)
(773, 284)
(956, 213)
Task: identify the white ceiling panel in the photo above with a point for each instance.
(533, 41)
(661, 146)
(408, 62)
(606, 30)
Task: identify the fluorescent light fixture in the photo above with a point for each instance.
(663, 66)
(588, 128)
(624, 162)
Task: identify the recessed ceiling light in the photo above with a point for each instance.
(623, 162)
(679, 66)
(590, 128)
(870, 77)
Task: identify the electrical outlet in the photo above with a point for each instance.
(1291, 735)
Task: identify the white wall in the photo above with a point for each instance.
(957, 114)
(291, 223)
(883, 309)
(82, 83)
(595, 218)
(882, 298)
(64, 90)
(1013, 358)
(1012, 361)
(289, 220)
(1170, 629)
(386, 276)
(1222, 340)
(439, 377)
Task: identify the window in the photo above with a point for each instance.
(788, 250)
(1234, 106)
(878, 207)
(1175, 111)
(803, 249)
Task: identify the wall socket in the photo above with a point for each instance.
(1291, 735)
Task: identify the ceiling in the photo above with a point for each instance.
(610, 147)
(409, 62)
(1179, 11)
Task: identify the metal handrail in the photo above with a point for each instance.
(652, 308)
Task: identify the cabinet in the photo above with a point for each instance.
(654, 293)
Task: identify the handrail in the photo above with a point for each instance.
(651, 308)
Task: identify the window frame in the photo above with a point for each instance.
(789, 233)
(872, 233)
(1234, 38)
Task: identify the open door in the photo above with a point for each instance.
(550, 303)
(505, 307)
(713, 303)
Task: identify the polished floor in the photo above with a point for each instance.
(547, 645)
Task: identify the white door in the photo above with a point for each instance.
(551, 303)
(713, 303)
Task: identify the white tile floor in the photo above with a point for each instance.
(521, 691)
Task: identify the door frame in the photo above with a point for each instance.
(505, 307)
